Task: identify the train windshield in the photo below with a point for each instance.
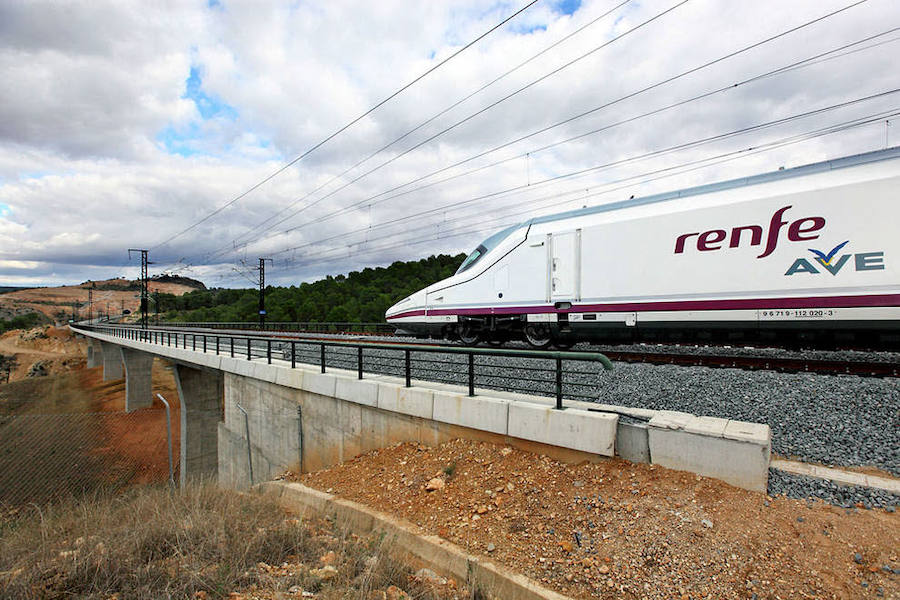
(485, 247)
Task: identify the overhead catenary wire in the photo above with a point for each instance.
(643, 178)
(373, 199)
(674, 148)
(346, 126)
(457, 204)
(734, 155)
(434, 117)
(490, 106)
(604, 128)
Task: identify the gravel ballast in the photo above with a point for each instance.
(829, 419)
(802, 487)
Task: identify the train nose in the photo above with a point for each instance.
(411, 302)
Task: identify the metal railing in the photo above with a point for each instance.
(524, 371)
(298, 326)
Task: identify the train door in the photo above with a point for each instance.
(565, 265)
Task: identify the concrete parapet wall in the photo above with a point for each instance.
(733, 451)
(632, 442)
(572, 428)
(343, 416)
(487, 414)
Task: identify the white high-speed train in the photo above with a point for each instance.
(810, 254)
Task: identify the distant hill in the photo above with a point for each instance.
(6, 289)
(359, 296)
(62, 303)
(179, 280)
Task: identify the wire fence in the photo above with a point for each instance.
(49, 457)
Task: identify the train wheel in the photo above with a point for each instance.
(468, 336)
(537, 336)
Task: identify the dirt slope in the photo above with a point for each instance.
(56, 302)
(621, 530)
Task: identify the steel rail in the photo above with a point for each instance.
(758, 363)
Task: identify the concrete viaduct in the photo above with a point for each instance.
(302, 419)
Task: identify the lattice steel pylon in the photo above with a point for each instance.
(262, 291)
(145, 299)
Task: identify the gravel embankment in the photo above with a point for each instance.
(835, 420)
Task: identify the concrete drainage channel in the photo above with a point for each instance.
(434, 552)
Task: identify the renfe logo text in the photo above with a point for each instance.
(800, 230)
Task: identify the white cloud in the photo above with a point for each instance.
(103, 147)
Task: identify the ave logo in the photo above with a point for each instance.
(831, 262)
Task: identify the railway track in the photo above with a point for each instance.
(757, 363)
(782, 364)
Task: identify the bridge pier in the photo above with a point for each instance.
(94, 353)
(201, 393)
(138, 378)
(112, 361)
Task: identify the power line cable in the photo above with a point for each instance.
(519, 188)
(598, 130)
(435, 117)
(373, 199)
(348, 125)
(655, 153)
(664, 173)
(733, 156)
(485, 109)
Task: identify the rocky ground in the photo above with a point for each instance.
(620, 530)
(39, 352)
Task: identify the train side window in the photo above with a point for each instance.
(472, 258)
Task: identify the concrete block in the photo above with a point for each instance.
(292, 378)
(702, 446)
(229, 364)
(243, 367)
(479, 412)
(210, 361)
(711, 426)
(183, 356)
(570, 428)
(414, 401)
(754, 433)
(319, 383)
(164, 351)
(264, 372)
(671, 419)
(359, 391)
(632, 442)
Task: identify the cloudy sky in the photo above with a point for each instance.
(158, 124)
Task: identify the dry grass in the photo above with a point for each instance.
(201, 542)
